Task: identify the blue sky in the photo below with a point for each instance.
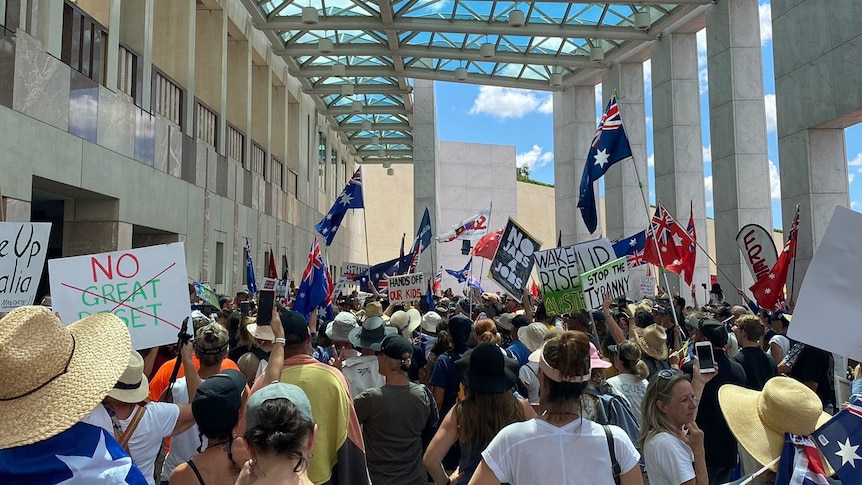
(484, 114)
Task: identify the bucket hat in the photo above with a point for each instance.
(339, 329)
(370, 334)
(488, 369)
(430, 321)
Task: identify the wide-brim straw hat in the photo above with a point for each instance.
(414, 319)
(261, 332)
(759, 419)
(652, 341)
(52, 376)
(132, 387)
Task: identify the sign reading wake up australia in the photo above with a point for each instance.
(560, 280)
(513, 261)
(22, 256)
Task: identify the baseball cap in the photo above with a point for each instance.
(711, 328)
(396, 347)
(277, 390)
(219, 397)
(295, 327)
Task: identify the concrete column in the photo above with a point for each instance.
(574, 127)
(624, 198)
(136, 32)
(113, 50)
(211, 67)
(737, 119)
(48, 17)
(91, 226)
(677, 139)
(425, 167)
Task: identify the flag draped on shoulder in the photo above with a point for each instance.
(250, 280)
(314, 287)
(839, 441)
(632, 248)
(769, 289)
(667, 241)
(800, 463)
(610, 145)
(470, 228)
(350, 198)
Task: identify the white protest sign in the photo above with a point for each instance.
(339, 286)
(595, 253)
(648, 283)
(22, 256)
(352, 270)
(408, 287)
(145, 287)
(269, 284)
(611, 278)
(829, 297)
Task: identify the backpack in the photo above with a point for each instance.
(613, 409)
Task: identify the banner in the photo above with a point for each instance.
(513, 261)
(22, 256)
(610, 278)
(648, 283)
(405, 288)
(595, 253)
(352, 270)
(758, 249)
(145, 287)
(560, 280)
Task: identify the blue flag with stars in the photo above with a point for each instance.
(463, 274)
(610, 145)
(350, 198)
(840, 439)
(83, 454)
(632, 248)
(314, 286)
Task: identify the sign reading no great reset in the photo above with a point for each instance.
(145, 287)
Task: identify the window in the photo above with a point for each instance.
(84, 43)
(292, 183)
(321, 161)
(277, 173)
(219, 264)
(206, 123)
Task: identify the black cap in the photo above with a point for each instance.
(598, 316)
(295, 327)
(460, 327)
(219, 397)
(396, 347)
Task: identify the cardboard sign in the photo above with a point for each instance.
(758, 248)
(828, 301)
(595, 253)
(648, 283)
(408, 287)
(560, 280)
(513, 261)
(352, 270)
(22, 256)
(611, 278)
(145, 287)
(269, 284)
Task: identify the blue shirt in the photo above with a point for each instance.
(445, 376)
(521, 352)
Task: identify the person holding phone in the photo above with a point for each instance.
(720, 448)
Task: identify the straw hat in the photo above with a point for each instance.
(132, 387)
(52, 376)
(759, 419)
(652, 340)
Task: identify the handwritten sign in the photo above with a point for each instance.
(352, 270)
(513, 261)
(595, 253)
(408, 287)
(560, 280)
(22, 256)
(145, 287)
(648, 283)
(611, 278)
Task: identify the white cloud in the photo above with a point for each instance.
(707, 184)
(509, 103)
(702, 72)
(856, 162)
(650, 161)
(774, 181)
(547, 106)
(534, 158)
(855, 205)
(707, 154)
(765, 11)
(771, 116)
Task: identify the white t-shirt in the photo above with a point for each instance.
(529, 375)
(573, 454)
(361, 374)
(184, 446)
(781, 341)
(631, 388)
(100, 417)
(669, 461)
(158, 422)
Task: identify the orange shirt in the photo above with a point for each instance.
(160, 381)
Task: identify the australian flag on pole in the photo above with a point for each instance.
(632, 248)
(251, 282)
(350, 198)
(314, 287)
(800, 463)
(463, 274)
(83, 454)
(377, 275)
(839, 441)
(610, 145)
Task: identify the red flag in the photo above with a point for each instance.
(686, 266)
(271, 270)
(438, 281)
(769, 289)
(667, 242)
(487, 246)
(534, 289)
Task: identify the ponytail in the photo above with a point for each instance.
(641, 369)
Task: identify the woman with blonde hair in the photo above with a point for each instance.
(486, 331)
(560, 446)
(631, 381)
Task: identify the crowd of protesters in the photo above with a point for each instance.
(472, 390)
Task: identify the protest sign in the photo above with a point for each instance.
(758, 249)
(513, 261)
(595, 253)
(408, 287)
(339, 286)
(829, 297)
(611, 278)
(648, 283)
(22, 256)
(352, 270)
(559, 280)
(269, 284)
(145, 287)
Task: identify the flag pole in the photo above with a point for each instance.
(793, 273)
(482, 264)
(367, 239)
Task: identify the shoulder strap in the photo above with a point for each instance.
(614, 463)
(125, 436)
(197, 473)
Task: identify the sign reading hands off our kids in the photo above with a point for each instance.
(22, 257)
(145, 287)
(513, 261)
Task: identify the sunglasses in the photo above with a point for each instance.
(668, 373)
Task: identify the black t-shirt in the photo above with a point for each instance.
(418, 362)
(718, 442)
(816, 365)
(758, 365)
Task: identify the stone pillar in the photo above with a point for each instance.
(91, 226)
(136, 32)
(574, 127)
(677, 140)
(16, 210)
(425, 168)
(626, 209)
(48, 24)
(737, 120)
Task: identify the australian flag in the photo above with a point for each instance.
(350, 198)
(314, 287)
(83, 454)
(377, 275)
(800, 463)
(461, 275)
(610, 145)
(251, 282)
(632, 248)
(839, 440)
